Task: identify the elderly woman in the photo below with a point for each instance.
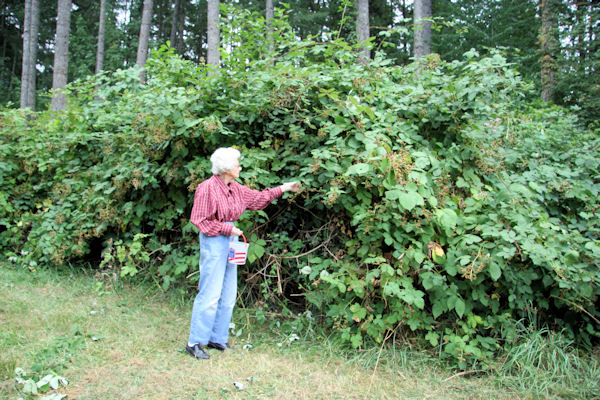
(218, 202)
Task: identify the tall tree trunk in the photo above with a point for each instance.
(10, 79)
(33, 50)
(26, 59)
(270, 15)
(422, 28)
(4, 54)
(180, 26)
(175, 23)
(199, 21)
(213, 55)
(159, 7)
(362, 30)
(142, 53)
(405, 39)
(101, 36)
(549, 45)
(61, 55)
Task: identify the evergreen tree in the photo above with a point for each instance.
(389, 28)
(549, 47)
(270, 13)
(29, 54)
(483, 25)
(213, 56)
(176, 25)
(101, 37)
(142, 52)
(362, 29)
(578, 77)
(422, 26)
(196, 35)
(61, 55)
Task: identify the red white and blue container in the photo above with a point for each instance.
(238, 251)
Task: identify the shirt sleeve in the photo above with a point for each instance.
(203, 214)
(257, 199)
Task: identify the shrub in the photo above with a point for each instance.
(436, 200)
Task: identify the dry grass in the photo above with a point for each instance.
(134, 350)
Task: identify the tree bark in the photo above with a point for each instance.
(101, 37)
(362, 30)
(26, 59)
(159, 7)
(213, 56)
(4, 55)
(270, 15)
(422, 28)
(180, 47)
(61, 55)
(142, 53)
(549, 44)
(33, 50)
(10, 80)
(175, 24)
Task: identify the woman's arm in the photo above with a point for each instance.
(257, 199)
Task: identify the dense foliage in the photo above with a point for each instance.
(578, 82)
(436, 199)
(458, 27)
(508, 24)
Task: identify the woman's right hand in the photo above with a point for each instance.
(291, 187)
(236, 232)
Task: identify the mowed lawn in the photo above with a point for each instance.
(127, 343)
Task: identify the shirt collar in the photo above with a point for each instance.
(220, 184)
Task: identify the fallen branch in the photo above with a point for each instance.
(579, 307)
(461, 374)
(387, 336)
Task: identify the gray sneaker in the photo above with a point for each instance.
(197, 351)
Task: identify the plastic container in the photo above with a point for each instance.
(238, 251)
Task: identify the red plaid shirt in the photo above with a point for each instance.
(216, 203)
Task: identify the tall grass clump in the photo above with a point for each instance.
(548, 364)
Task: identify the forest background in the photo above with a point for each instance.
(568, 41)
(450, 167)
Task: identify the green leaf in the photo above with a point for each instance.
(421, 160)
(306, 270)
(459, 306)
(358, 311)
(358, 169)
(419, 302)
(495, 271)
(407, 199)
(259, 251)
(30, 387)
(418, 256)
(391, 289)
(356, 340)
(433, 338)
(447, 218)
(438, 309)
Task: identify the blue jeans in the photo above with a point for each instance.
(217, 292)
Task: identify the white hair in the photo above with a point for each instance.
(224, 159)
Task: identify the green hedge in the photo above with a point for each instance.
(436, 199)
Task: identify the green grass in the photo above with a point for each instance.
(547, 361)
(127, 342)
